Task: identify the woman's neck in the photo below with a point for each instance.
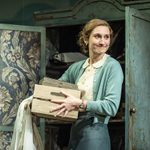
(96, 58)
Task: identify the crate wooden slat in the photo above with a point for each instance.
(57, 83)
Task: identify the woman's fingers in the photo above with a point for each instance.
(64, 105)
(58, 101)
(60, 112)
(66, 113)
(57, 108)
(66, 94)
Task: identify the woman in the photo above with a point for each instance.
(100, 78)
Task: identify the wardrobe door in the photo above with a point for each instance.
(137, 80)
(22, 64)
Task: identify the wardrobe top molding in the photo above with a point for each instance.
(84, 10)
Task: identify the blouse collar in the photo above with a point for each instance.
(97, 64)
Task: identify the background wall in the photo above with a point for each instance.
(21, 11)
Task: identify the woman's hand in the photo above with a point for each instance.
(66, 105)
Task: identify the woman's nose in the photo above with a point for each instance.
(101, 41)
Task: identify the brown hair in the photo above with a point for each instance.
(88, 28)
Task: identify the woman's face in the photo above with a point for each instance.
(99, 40)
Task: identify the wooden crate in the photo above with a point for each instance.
(42, 105)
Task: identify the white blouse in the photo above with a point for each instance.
(85, 83)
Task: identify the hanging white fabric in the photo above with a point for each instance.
(23, 134)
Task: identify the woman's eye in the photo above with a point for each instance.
(106, 36)
(97, 36)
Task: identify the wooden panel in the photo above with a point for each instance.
(137, 80)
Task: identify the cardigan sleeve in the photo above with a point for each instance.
(65, 76)
(109, 104)
(73, 72)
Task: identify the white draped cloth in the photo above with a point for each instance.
(25, 133)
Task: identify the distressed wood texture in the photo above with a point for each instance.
(57, 83)
(137, 80)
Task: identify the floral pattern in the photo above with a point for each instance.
(5, 140)
(19, 71)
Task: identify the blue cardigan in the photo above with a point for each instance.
(107, 85)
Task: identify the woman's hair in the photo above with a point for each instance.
(88, 28)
